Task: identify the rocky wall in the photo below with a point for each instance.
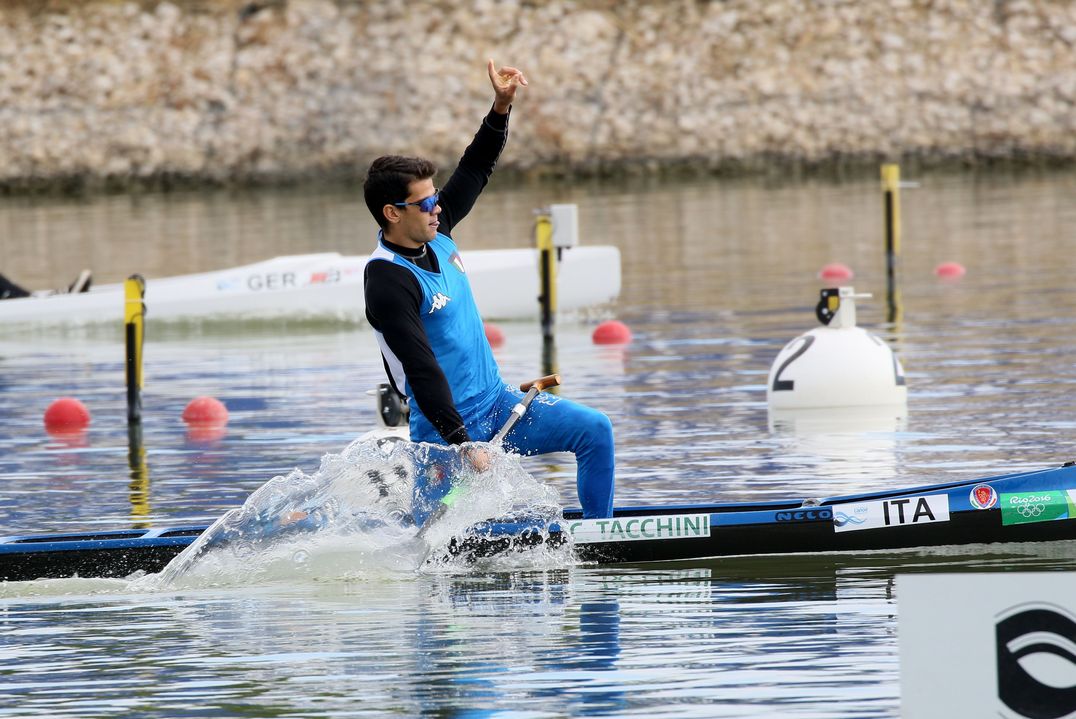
(226, 91)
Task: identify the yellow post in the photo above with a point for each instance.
(547, 273)
(547, 270)
(891, 188)
(134, 314)
(891, 192)
(134, 311)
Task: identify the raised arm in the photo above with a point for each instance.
(475, 167)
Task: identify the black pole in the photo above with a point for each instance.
(134, 392)
(891, 194)
(134, 314)
(134, 324)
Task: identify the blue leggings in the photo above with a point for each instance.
(551, 424)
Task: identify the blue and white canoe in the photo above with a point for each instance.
(1034, 506)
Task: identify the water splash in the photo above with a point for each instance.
(355, 517)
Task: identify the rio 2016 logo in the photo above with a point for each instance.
(1031, 510)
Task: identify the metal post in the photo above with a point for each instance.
(134, 311)
(547, 271)
(891, 193)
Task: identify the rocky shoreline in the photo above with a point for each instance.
(109, 94)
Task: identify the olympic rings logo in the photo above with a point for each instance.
(1031, 510)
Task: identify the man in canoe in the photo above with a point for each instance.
(419, 302)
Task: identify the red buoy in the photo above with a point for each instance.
(835, 271)
(494, 335)
(66, 414)
(205, 410)
(950, 271)
(611, 332)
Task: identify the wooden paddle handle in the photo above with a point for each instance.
(541, 383)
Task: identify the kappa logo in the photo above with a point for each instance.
(1036, 660)
(438, 302)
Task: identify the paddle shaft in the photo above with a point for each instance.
(532, 389)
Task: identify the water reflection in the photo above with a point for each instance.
(578, 642)
(845, 444)
(717, 276)
(139, 473)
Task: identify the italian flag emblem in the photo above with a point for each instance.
(457, 261)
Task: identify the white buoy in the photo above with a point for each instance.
(838, 365)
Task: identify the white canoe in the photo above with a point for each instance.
(326, 286)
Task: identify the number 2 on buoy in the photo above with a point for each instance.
(788, 384)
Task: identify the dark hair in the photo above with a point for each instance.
(387, 181)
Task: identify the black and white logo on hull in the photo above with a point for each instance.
(1036, 661)
(896, 512)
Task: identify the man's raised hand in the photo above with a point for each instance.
(505, 81)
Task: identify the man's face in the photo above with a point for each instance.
(414, 227)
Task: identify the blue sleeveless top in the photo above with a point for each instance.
(454, 329)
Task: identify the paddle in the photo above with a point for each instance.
(531, 389)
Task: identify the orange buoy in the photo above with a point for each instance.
(66, 414)
(950, 271)
(611, 332)
(835, 271)
(205, 410)
(494, 335)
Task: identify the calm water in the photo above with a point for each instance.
(717, 277)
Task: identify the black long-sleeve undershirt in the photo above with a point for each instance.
(394, 298)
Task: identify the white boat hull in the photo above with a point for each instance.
(327, 286)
